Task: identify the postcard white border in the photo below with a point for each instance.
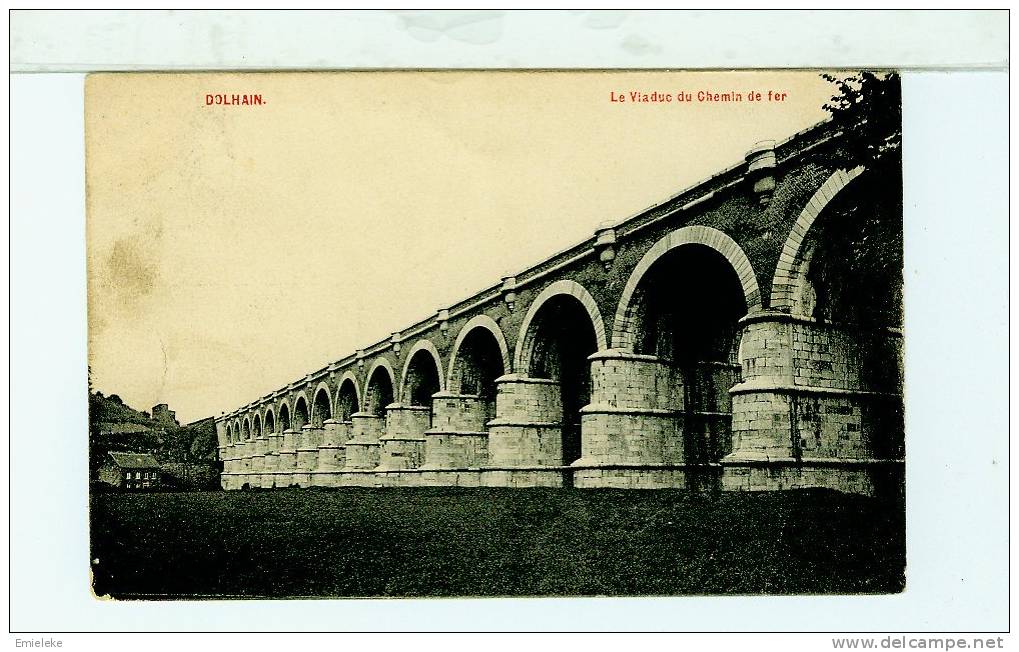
(956, 165)
(497, 38)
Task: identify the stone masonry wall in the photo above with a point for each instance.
(458, 438)
(634, 414)
(807, 399)
(403, 444)
(363, 446)
(527, 430)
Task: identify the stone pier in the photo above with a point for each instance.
(402, 447)
(307, 454)
(525, 438)
(332, 451)
(288, 458)
(633, 427)
(456, 446)
(806, 415)
(363, 449)
(258, 461)
(226, 455)
(272, 460)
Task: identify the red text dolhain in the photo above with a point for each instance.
(235, 99)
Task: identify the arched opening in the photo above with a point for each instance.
(322, 408)
(236, 437)
(300, 413)
(284, 417)
(479, 362)
(270, 423)
(379, 393)
(685, 311)
(561, 337)
(346, 400)
(852, 260)
(245, 430)
(256, 427)
(421, 379)
(850, 280)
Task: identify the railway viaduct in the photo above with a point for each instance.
(715, 340)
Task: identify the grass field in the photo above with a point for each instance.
(475, 542)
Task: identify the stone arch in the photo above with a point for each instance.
(256, 426)
(269, 420)
(560, 332)
(246, 429)
(284, 416)
(525, 338)
(480, 357)
(622, 327)
(479, 321)
(321, 409)
(681, 315)
(419, 346)
(376, 395)
(340, 409)
(790, 268)
(234, 429)
(302, 411)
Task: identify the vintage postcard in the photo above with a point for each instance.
(492, 333)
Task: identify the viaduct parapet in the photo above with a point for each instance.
(712, 341)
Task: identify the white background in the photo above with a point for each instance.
(955, 126)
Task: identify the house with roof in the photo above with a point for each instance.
(132, 471)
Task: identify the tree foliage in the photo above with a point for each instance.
(867, 108)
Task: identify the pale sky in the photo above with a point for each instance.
(232, 250)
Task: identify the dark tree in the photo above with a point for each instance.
(867, 108)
